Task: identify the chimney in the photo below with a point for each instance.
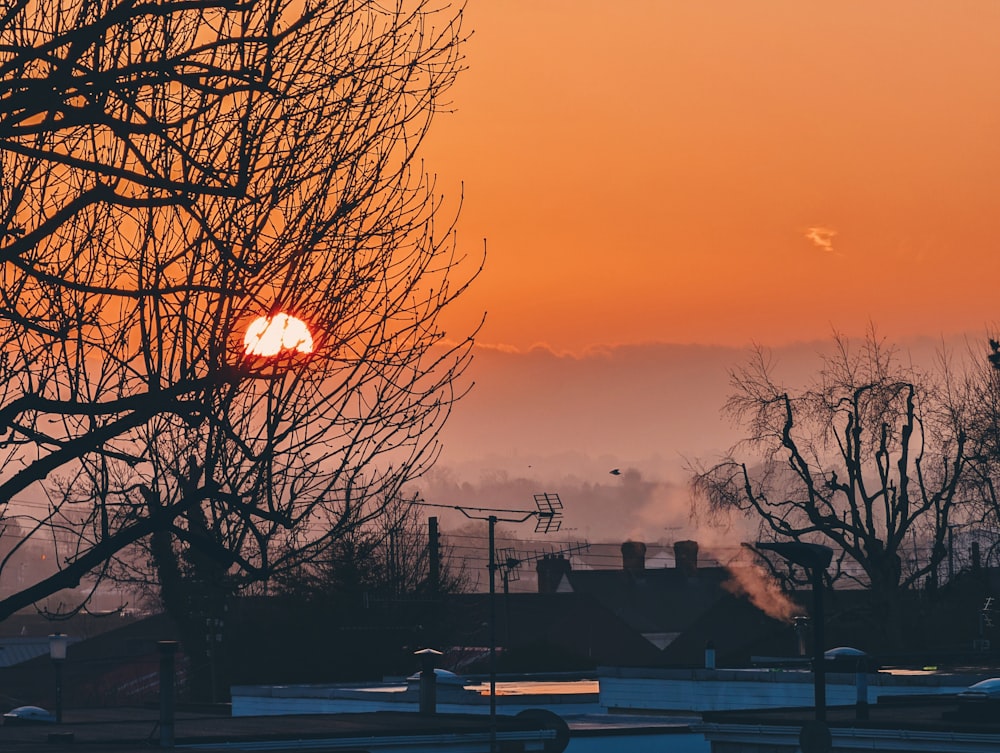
(686, 557)
(551, 568)
(633, 556)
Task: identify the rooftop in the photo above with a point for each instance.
(130, 730)
(911, 723)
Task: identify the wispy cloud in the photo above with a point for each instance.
(822, 238)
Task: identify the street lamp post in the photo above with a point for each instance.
(815, 558)
(57, 652)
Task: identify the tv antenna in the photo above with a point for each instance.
(548, 519)
(510, 564)
(549, 513)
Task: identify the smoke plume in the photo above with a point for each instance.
(750, 580)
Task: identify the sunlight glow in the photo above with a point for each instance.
(268, 336)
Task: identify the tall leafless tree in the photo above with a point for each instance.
(868, 460)
(171, 171)
(978, 404)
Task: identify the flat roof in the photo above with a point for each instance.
(938, 713)
(131, 730)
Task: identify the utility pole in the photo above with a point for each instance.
(815, 558)
(433, 557)
(493, 634)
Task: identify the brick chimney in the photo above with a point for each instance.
(686, 557)
(633, 556)
(551, 568)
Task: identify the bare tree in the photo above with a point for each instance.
(978, 404)
(867, 460)
(172, 171)
(387, 559)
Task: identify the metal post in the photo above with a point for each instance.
(549, 514)
(167, 651)
(210, 650)
(493, 636)
(434, 556)
(814, 558)
(861, 681)
(59, 689)
(58, 645)
(819, 660)
(951, 552)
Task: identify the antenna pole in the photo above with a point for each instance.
(493, 635)
(548, 518)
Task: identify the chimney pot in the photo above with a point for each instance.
(551, 568)
(686, 557)
(633, 556)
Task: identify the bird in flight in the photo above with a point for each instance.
(615, 472)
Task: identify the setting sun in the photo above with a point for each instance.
(268, 336)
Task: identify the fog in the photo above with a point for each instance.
(538, 421)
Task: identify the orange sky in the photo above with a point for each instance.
(649, 170)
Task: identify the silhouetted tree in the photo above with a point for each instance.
(171, 171)
(979, 406)
(357, 610)
(867, 460)
(386, 559)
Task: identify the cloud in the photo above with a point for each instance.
(822, 238)
(624, 406)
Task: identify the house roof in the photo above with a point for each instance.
(97, 667)
(15, 651)
(652, 617)
(659, 601)
(737, 630)
(575, 625)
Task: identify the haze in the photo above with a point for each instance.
(660, 184)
